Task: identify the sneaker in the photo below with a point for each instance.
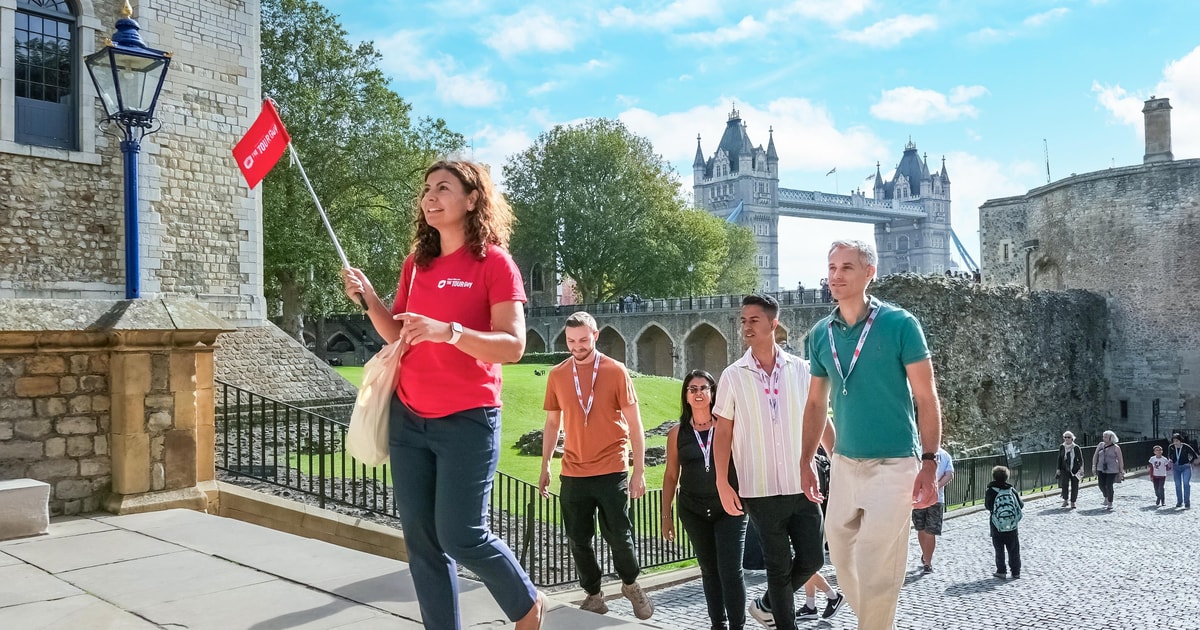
(806, 612)
(1064, 503)
(1016, 576)
(832, 606)
(595, 603)
(643, 608)
(1072, 506)
(761, 613)
(1000, 574)
(928, 568)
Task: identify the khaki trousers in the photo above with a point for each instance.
(867, 523)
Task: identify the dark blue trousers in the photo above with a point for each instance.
(442, 471)
(718, 540)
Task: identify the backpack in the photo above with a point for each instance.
(1006, 511)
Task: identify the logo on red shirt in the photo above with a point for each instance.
(454, 283)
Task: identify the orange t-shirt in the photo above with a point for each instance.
(599, 445)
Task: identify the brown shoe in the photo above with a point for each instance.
(536, 615)
(595, 603)
(643, 608)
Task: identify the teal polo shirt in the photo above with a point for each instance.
(875, 419)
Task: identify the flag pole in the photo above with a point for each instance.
(295, 157)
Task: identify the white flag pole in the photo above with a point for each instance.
(295, 158)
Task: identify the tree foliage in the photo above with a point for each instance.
(363, 153)
(596, 200)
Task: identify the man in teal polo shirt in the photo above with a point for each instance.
(869, 360)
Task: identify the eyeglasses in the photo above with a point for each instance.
(696, 389)
(1067, 437)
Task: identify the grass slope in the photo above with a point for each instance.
(523, 394)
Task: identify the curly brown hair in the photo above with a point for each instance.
(490, 223)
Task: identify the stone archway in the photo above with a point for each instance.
(339, 342)
(781, 338)
(611, 343)
(534, 341)
(706, 349)
(560, 342)
(655, 352)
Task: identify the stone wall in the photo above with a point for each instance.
(1129, 234)
(266, 361)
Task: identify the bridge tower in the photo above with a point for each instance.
(917, 245)
(740, 183)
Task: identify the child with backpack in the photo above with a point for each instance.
(1006, 509)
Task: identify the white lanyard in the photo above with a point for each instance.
(857, 349)
(579, 392)
(706, 451)
(771, 384)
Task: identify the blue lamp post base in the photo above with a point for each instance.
(129, 151)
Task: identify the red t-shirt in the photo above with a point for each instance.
(438, 379)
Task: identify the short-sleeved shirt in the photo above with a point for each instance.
(598, 444)
(438, 379)
(875, 418)
(1159, 466)
(766, 442)
(945, 464)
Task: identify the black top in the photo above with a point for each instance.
(1186, 454)
(697, 487)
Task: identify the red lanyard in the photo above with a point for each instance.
(579, 392)
(771, 384)
(862, 339)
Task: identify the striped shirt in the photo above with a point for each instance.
(767, 411)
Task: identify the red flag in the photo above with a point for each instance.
(262, 146)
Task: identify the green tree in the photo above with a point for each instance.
(596, 200)
(363, 153)
(738, 272)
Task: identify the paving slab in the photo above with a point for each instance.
(57, 555)
(23, 584)
(6, 559)
(144, 582)
(79, 611)
(274, 605)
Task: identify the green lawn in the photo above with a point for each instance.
(523, 395)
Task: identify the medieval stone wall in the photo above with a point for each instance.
(266, 361)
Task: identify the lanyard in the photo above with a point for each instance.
(579, 392)
(857, 349)
(771, 384)
(706, 451)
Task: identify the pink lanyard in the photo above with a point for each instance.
(579, 392)
(705, 450)
(771, 385)
(862, 339)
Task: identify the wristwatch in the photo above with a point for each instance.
(455, 332)
(929, 456)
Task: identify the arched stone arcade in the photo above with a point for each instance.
(655, 352)
(612, 344)
(705, 348)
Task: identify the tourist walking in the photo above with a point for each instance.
(1182, 457)
(870, 361)
(1159, 467)
(717, 538)
(458, 315)
(1109, 466)
(928, 521)
(758, 409)
(1070, 469)
(590, 396)
(1006, 508)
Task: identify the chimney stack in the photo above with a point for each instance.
(1158, 130)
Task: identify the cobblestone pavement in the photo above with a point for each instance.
(1132, 568)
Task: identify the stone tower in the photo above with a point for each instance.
(740, 183)
(1157, 112)
(915, 245)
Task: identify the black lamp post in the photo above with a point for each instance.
(129, 76)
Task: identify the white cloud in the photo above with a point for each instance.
(532, 30)
(747, 28)
(828, 11)
(404, 58)
(548, 86)
(676, 14)
(1039, 20)
(892, 31)
(974, 180)
(1181, 83)
(916, 106)
(494, 146)
(626, 100)
(1034, 22)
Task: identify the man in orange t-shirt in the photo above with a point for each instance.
(592, 398)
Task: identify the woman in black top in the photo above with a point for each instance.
(1182, 457)
(717, 538)
(1070, 469)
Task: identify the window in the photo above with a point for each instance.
(1124, 409)
(45, 74)
(1006, 251)
(902, 244)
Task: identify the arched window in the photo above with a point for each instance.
(902, 244)
(46, 79)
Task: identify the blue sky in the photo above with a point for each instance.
(844, 83)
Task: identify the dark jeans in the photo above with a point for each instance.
(1160, 485)
(789, 525)
(442, 471)
(1106, 481)
(581, 498)
(1007, 541)
(718, 545)
(1067, 481)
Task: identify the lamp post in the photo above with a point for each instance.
(129, 76)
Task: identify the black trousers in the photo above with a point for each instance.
(718, 541)
(792, 540)
(583, 499)
(1070, 482)
(1106, 481)
(1007, 541)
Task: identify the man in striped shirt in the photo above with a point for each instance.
(759, 408)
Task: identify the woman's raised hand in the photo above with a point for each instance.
(355, 283)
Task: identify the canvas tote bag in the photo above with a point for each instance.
(367, 438)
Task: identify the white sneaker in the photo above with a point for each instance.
(643, 608)
(761, 614)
